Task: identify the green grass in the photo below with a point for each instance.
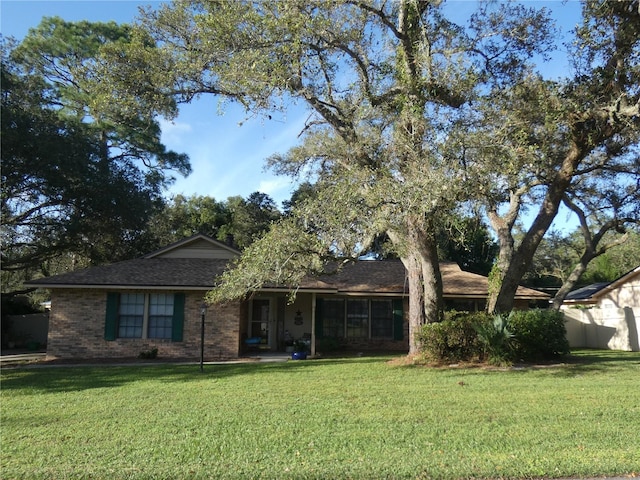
(335, 418)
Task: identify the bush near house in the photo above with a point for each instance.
(455, 339)
(533, 335)
(497, 340)
(539, 334)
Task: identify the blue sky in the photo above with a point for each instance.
(227, 159)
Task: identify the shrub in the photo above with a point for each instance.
(526, 335)
(496, 338)
(454, 339)
(148, 354)
(539, 334)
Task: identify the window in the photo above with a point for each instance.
(358, 318)
(131, 315)
(367, 318)
(140, 315)
(381, 318)
(160, 315)
(333, 318)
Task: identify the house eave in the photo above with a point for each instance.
(575, 303)
(479, 296)
(298, 290)
(174, 288)
(334, 291)
(616, 284)
(321, 291)
(373, 294)
(465, 296)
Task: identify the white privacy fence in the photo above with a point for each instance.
(607, 328)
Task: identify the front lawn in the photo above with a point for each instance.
(336, 418)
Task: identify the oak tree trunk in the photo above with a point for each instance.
(509, 274)
(424, 280)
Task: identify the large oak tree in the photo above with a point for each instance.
(544, 142)
(383, 82)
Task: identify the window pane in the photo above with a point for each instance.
(381, 318)
(358, 318)
(160, 315)
(259, 327)
(333, 318)
(130, 315)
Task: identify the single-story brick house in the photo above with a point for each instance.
(125, 308)
(605, 315)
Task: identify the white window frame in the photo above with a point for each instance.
(145, 318)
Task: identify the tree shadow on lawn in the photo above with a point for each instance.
(583, 361)
(577, 363)
(76, 378)
(580, 362)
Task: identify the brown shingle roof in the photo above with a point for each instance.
(142, 272)
(370, 276)
(457, 283)
(389, 276)
(366, 276)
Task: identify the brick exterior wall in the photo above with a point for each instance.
(77, 324)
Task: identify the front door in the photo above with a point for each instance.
(260, 320)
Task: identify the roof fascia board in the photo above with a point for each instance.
(372, 294)
(328, 291)
(119, 287)
(575, 303)
(298, 290)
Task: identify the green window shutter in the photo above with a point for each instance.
(177, 325)
(111, 317)
(319, 315)
(398, 319)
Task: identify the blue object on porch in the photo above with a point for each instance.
(299, 356)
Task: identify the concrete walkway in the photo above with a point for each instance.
(37, 359)
(22, 358)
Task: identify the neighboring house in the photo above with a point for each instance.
(605, 315)
(123, 309)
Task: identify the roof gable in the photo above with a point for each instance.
(142, 273)
(194, 262)
(626, 278)
(591, 293)
(197, 246)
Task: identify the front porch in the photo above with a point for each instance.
(323, 322)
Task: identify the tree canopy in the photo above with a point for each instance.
(572, 140)
(411, 118)
(236, 221)
(385, 83)
(565, 261)
(77, 177)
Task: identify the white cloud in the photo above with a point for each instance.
(173, 133)
(278, 188)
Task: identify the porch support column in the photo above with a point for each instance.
(313, 324)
